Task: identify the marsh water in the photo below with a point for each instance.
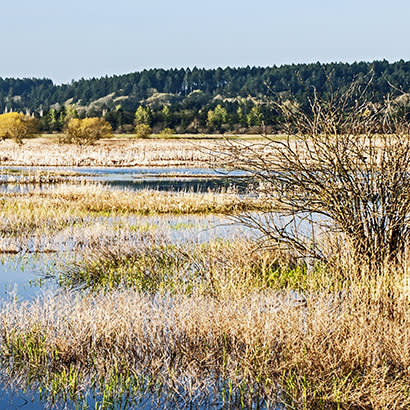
(15, 179)
(22, 274)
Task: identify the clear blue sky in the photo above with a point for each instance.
(85, 38)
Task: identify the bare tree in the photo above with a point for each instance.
(343, 166)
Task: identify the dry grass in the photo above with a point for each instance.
(121, 153)
(217, 324)
(214, 324)
(73, 217)
(346, 351)
(94, 198)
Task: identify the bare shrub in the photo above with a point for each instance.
(344, 166)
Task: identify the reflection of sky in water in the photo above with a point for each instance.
(17, 399)
(116, 170)
(16, 273)
(167, 179)
(12, 398)
(125, 174)
(19, 274)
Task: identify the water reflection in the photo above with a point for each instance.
(26, 179)
(20, 275)
(180, 185)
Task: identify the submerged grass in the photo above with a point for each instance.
(217, 268)
(346, 351)
(222, 324)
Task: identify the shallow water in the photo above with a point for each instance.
(21, 274)
(14, 398)
(165, 179)
(127, 171)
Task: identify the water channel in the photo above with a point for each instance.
(15, 179)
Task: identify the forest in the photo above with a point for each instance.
(199, 100)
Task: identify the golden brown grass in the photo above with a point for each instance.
(332, 351)
(121, 153)
(96, 198)
(217, 324)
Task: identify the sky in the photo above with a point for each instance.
(93, 38)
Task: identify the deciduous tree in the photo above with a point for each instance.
(217, 117)
(17, 126)
(143, 115)
(86, 131)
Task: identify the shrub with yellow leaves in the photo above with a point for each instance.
(17, 126)
(86, 131)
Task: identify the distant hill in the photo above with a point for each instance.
(191, 93)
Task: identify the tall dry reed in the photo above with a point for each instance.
(121, 153)
(96, 198)
(332, 351)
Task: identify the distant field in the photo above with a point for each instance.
(121, 151)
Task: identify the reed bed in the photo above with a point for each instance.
(333, 351)
(76, 216)
(219, 324)
(96, 198)
(120, 153)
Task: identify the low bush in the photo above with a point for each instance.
(142, 131)
(86, 131)
(167, 132)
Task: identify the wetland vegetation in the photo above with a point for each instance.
(142, 314)
(157, 299)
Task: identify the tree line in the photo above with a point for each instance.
(199, 100)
